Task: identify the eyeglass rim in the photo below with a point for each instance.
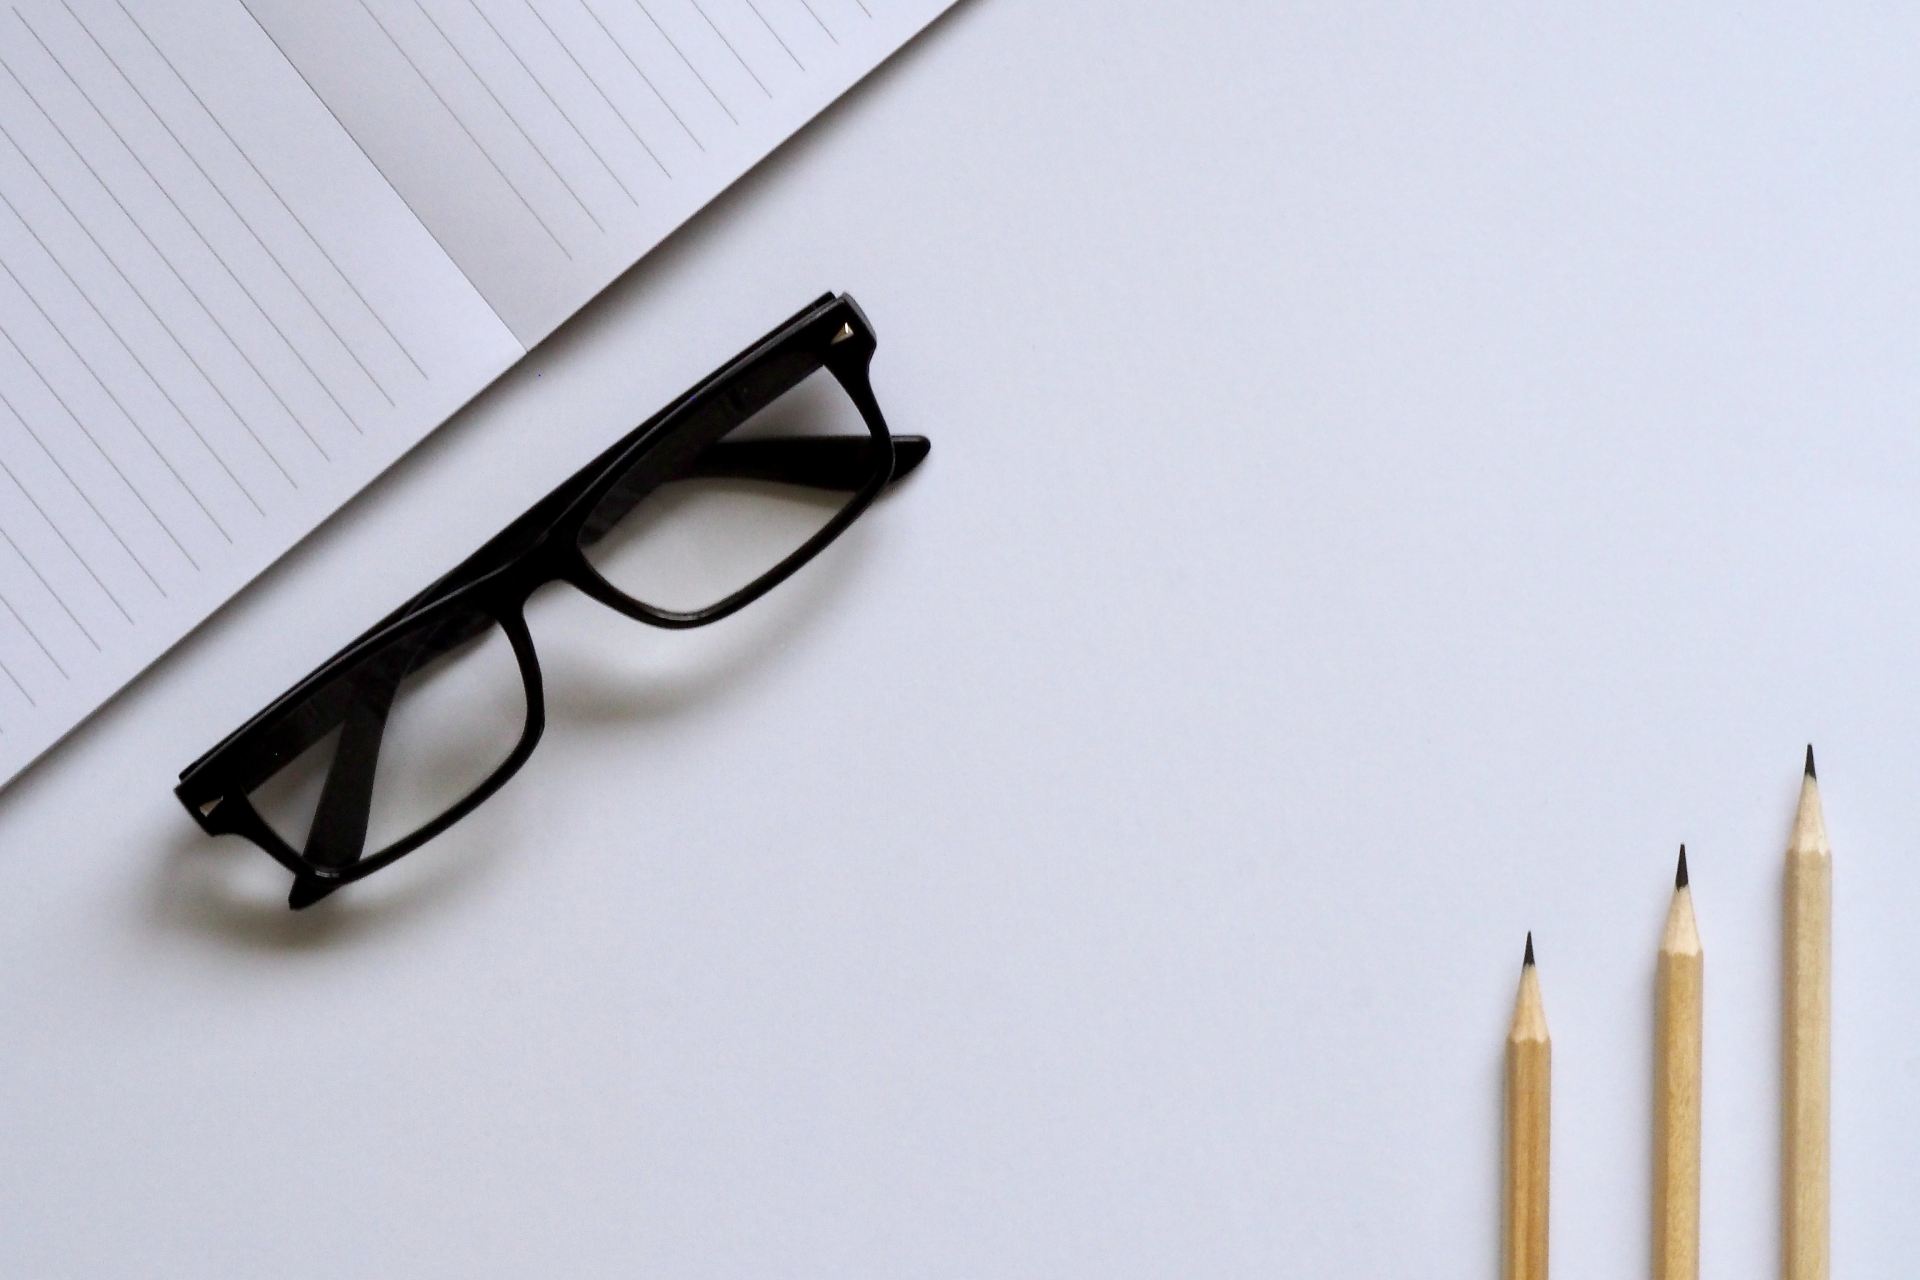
(237, 815)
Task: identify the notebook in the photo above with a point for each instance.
(251, 251)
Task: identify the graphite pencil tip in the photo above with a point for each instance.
(1528, 961)
(1680, 875)
(1810, 772)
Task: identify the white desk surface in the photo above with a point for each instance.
(1398, 471)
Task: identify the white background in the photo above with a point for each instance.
(1397, 472)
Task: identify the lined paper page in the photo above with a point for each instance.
(217, 321)
(550, 143)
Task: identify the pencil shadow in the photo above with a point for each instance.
(228, 891)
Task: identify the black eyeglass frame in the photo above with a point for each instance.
(546, 544)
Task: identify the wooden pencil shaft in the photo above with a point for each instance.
(1529, 1108)
(1676, 1143)
(1529, 1111)
(1806, 1093)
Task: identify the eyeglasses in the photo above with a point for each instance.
(695, 514)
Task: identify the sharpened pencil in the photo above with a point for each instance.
(1529, 1103)
(1806, 1092)
(1676, 1093)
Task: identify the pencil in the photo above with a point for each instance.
(1809, 1022)
(1676, 1117)
(1529, 1122)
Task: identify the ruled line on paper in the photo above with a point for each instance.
(49, 588)
(220, 191)
(467, 129)
(159, 386)
(147, 303)
(85, 564)
(502, 107)
(512, 119)
(645, 79)
(35, 637)
(746, 66)
(598, 88)
(687, 62)
(79, 491)
(815, 13)
(548, 109)
(273, 190)
(16, 683)
(77, 486)
(573, 124)
(131, 421)
(774, 32)
(164, 259)
(173, 202)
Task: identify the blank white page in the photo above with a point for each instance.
(217, 322)
(548, 144)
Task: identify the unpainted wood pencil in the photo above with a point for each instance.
(1529, 1114)
(1806, 1092)
(1676, 1115)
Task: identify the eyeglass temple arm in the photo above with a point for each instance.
(338, 835)
(835, 462)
